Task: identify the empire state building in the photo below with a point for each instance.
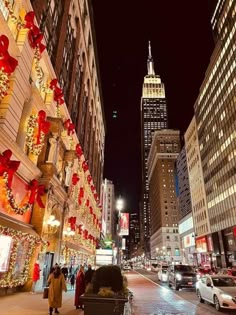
(153, 117)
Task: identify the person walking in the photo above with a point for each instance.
(88, 275)
(65, 271)
(79, 287)
(72, 281)
(36, 276)
(57, 284)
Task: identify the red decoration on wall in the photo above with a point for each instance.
(36, 191)
(72, 221)
(78, 150)
(87, 203)
(93, 187)
(81, 192)
(35, 36)
(75, 179)
(89, 178)
(91, 210)
(69, 126)
(85, 166)
(8, 166)
(7, 63)
(43, 125)
(58, 94)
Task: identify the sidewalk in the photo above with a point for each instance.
(149, 299)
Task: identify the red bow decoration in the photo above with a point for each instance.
(78, 150)
(87, 203)
(85, 166)
(96, 196)
(7, 63)
(69, 126)
(89, 178)
(72, 221)
(91, 210)
(36, 191)
(75, 179)
(43, 125)
(35, 36)
(6, 165)
(81, 192)
(58, 94)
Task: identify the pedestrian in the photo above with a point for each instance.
(56, 282)
(64, 270)
(72, 281)
(88, 275)
(79, 287)
(36, 275)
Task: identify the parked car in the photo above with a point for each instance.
(162, 274)
(219, 290)
(182, 276)
(228, 272)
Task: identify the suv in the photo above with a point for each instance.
(182, 276)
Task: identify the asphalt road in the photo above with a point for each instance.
(185, 294)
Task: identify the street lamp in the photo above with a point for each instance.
(119, 207)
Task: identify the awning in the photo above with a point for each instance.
(17, 225)
(79, 248)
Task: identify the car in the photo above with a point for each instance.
(182, 276)
(162, 274)
(217, 289)
(126, 267)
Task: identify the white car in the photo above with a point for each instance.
(218, 290)
(126, 267)
(162, 273)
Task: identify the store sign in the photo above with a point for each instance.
(188, 240)
(5, 252)
(201, 244)
(124, 224)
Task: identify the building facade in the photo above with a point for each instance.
(51, 159)
(215, 113)
(153, 117)
(164, 241)
(201, 231)
(134, 235)
(108, 209)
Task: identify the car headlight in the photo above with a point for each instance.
(226, 296)
(178, 276)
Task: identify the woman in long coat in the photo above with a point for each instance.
(56, 282)
(79, 287)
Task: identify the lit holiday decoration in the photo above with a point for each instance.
(8, 4)
(7, 65)
(37, 128)
(79, 150)
(72, 222)
(75, 179)
(8, 279)
(35, 191)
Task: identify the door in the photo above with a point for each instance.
(48, 263)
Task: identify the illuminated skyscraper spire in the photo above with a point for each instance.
(150, 63)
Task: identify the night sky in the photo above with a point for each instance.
(182, 43)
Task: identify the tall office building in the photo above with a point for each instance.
(164, 240)
(153, 117)
(215, 111)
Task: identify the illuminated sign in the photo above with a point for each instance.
(5, 252)
(201, 244)
(188, 240)
(124, 224)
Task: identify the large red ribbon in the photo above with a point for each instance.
(7, 63)
(78, 150)
(43, 125)
(58, 94)
(69, 126)
(8, 166)
(72, 221)
(36, 191)
(35, 36)
(75, 179)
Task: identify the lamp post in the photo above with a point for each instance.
(119, 207)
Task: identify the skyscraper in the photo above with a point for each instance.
(153, 117)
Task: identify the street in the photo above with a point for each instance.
(158, 299)
(150, 298)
